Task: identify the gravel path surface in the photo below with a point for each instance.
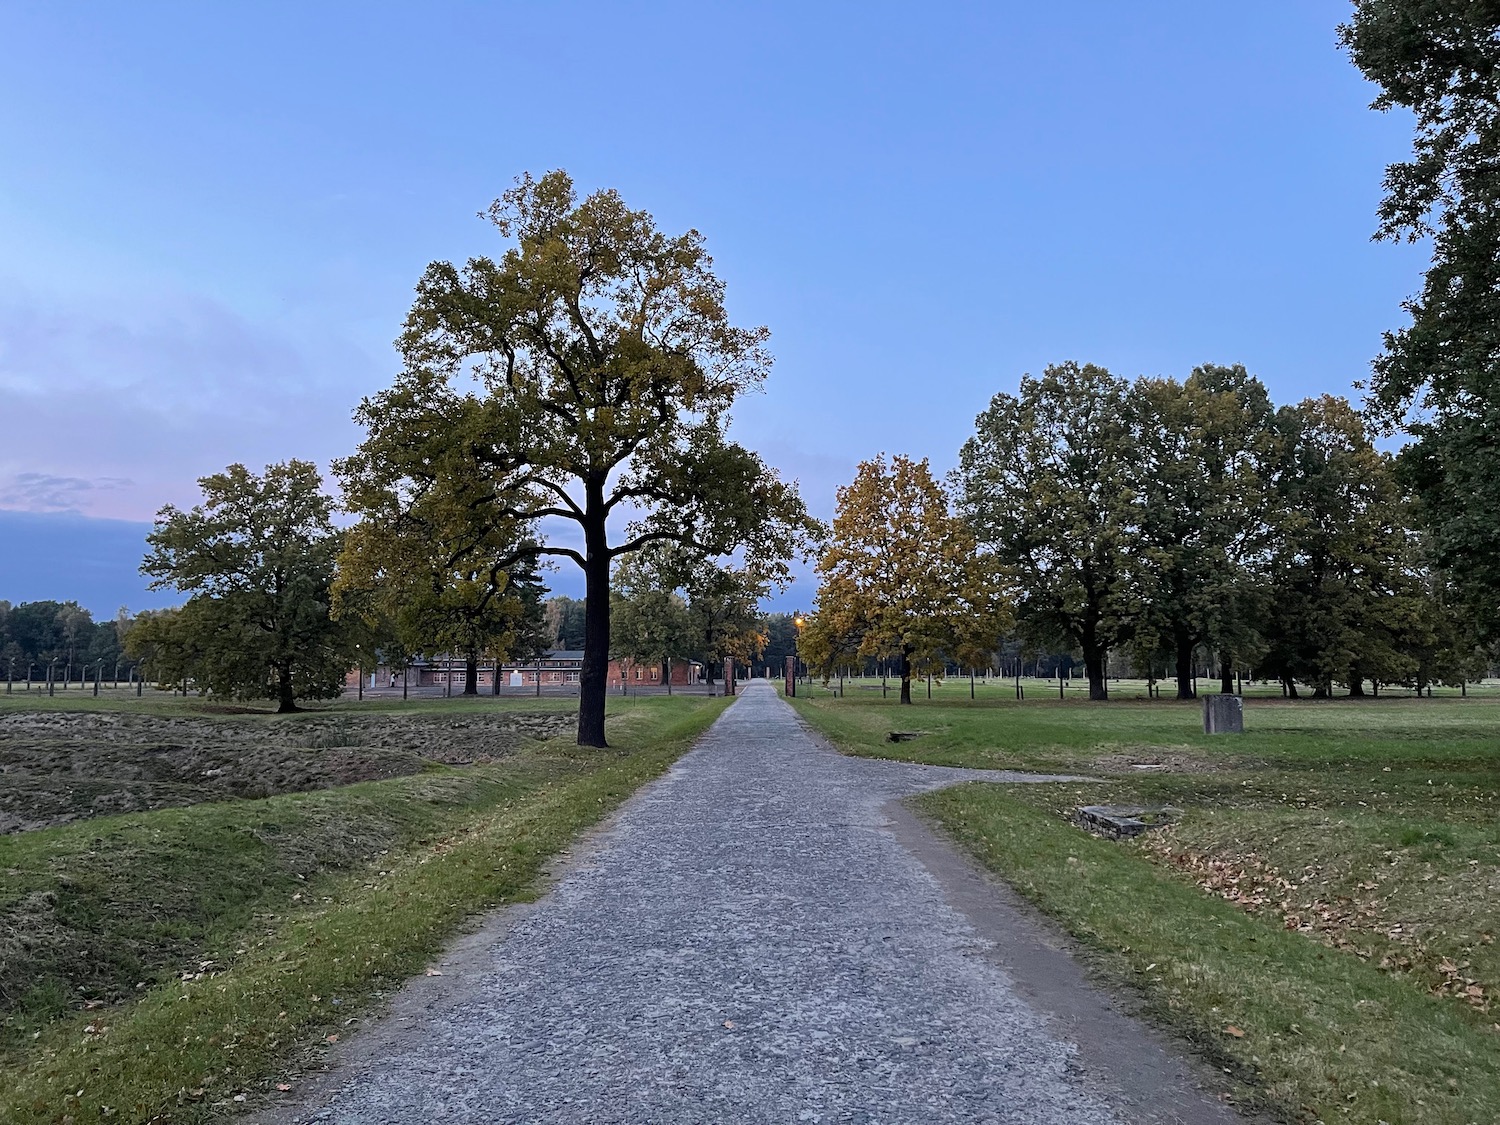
(749, 941)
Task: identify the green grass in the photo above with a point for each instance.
(260, 927)
(1328, 890)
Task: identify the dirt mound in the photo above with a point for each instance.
(57, 767)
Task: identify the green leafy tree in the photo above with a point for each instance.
(442, 580)
(565, 620)
(724, 614)
(780, 631)
(1440, 374)
(650, 622)
(1047, 484)
(164, 653)
(722, 600)
(584, 378)
(1341, 568)
(1201, 528)
(39, 630)
(47, 631)
(257, 556)
(902, 577)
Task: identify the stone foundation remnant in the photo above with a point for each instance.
(1124, 821)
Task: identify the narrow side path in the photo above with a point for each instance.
(748, 942)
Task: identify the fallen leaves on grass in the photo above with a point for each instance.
(1252, 883)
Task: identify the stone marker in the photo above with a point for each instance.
(1223, 714)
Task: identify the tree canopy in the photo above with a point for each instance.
(1440, 374)
(584, 376)
(66, 633)
(1201, 526)
(257, 556)
(649, 621)
(1046, 482)
(429, 577)
(902, 577)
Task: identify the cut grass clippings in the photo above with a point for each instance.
(192, 1045)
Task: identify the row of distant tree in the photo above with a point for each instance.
(1158, 520)
(63, 634)
(707, 621)
(1163, 522)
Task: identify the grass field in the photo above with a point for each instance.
(1320, 919)
(165, 965)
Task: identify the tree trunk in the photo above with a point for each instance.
(1356, 683)
(905, 676)
(592, 678)
(1093, 670)
(285, 700)
(471, 674)
(1289, 685)
(1226, 673)
(1183, 646)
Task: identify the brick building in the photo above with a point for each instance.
(557, 669)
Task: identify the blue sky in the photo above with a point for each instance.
(212, 216)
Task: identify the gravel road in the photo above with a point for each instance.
(755, 938)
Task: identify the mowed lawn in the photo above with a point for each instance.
(179, 963)
(1321, 917)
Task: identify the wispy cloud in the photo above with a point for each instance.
(115, 407)
(45, 492)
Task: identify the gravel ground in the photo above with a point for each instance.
(749, 941)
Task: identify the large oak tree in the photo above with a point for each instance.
(1206, 448)
(1347, 596)
(583, 378)
(1047, 482)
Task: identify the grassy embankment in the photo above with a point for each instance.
(210, 948)
(1321, 919)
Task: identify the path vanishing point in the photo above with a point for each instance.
(762, 935)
